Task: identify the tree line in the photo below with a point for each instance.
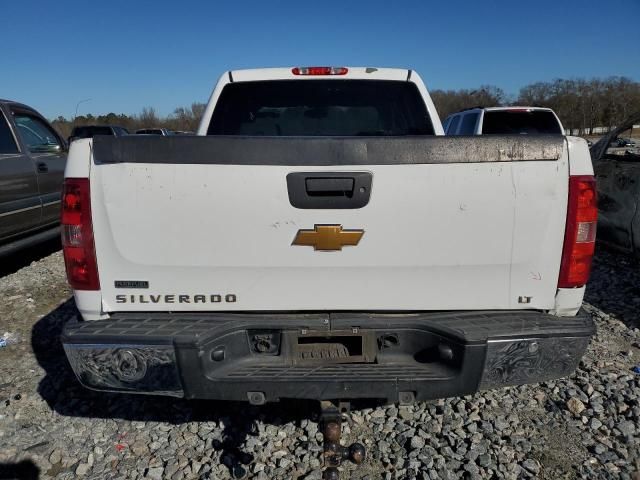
(581, 104)
(184, 119)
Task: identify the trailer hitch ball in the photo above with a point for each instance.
(334, 453)
(331, 473)
(357, 453)
(332, 432)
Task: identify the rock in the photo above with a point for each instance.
(501, 423)
(575, 406)
(155, 473)
(139, 448)
(55, 457)
(417, 442)
(472, 454)
(531, 465)
(599, 449)
(626, 427)
(406, 414)
(357, 419)
(82, 469)
(313, 475)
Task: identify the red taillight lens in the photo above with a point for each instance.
(319, 70)
(77, 235)
(580, 233)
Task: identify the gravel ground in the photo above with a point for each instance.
(584, 426)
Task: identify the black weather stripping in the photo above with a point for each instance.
(325, 151)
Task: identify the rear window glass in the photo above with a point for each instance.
(453, 125)
(149, 131)
(320, 108)
(520, 122)
(7, 142)
(468, 126)
(89, 132)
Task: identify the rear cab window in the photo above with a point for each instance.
(468, 126)
(320, 108)
(532, 122)
(7, 141)
(89, 132)
(149, 131)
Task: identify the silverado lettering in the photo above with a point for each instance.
(172, 298)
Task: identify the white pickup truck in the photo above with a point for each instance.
(320, 238)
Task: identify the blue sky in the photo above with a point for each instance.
(125, 55)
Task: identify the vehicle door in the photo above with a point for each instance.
(20, 207)
(49, 153)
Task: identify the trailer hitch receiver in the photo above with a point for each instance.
(333, 452)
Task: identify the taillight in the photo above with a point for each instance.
(319, 70)
(580, 233)
(77, 235)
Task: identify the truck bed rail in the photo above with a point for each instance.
(325, 151)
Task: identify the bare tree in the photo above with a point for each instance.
(582, 104)
(148, 117)
(451, 101)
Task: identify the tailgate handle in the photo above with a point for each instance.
(329, 186)
(329, 190)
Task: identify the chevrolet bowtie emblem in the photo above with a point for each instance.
(328, 237)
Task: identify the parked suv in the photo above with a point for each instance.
(88, 131)
(32, 161)
(503, 121)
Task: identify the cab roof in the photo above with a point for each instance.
(15, 104)
(515, 107)
(286, 73)
(502, 109)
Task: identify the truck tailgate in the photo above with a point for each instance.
(206, 223)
